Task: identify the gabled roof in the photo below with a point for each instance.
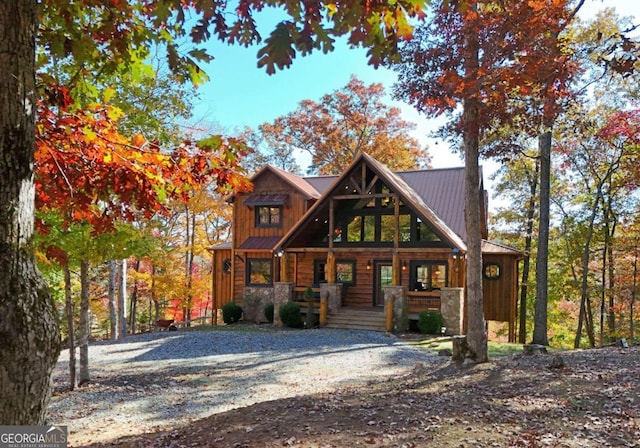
(412, 191)
(296, 182)
(441, 189)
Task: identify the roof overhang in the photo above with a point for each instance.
(264, 199)
(259, 244)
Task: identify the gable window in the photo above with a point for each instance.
(268, 216)
(259, 272)
(428, 275)
(345, 272)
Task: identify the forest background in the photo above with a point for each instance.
(163, 258)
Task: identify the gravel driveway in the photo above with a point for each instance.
(161, 380)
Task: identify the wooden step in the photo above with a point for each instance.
(357, 319)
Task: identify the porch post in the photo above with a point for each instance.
(331, 267)
(395, 269)
(283, 267)
(395, 303)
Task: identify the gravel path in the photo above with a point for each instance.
(161, 380)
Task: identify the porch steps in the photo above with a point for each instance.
(357, 319)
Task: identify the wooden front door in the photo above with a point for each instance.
(383, 278)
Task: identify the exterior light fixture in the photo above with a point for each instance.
(404, 265)
(279, 252)
(368, 264)
(455, 252)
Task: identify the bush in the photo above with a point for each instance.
(429, 322)
(268, 312)
(231, 312)
(290, 315)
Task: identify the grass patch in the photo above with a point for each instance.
(496, 349)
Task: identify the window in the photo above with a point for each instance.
(269, 216)
(492, 271)
(424, 232)
(428, 275)
(259, 272)
(226, 265)
(387, 228)
(405, 228)
(345, 272)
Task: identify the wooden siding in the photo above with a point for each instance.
(222, 292)
(499, 295)
(361, 295)
(244, 226)
(244, 221)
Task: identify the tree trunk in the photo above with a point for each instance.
(585, 317)
(133, 306)
(634, 291)
(476, 326)
(612, 276)
(113, 315)
(29, 333)
(85, 323)
(122, 299)
(190, 235)
(71, 332)
(526, 265)
(542, 255)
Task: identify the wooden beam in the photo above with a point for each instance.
(283, 268)
(396, 278)
(371, 184)
(364, 196)
(331, 267)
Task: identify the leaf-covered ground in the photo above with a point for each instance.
(516, 401)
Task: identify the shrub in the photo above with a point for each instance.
(268, 312)
(231, 312)
(290, 315)
(429, 322)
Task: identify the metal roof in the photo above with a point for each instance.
(259, 243)
(265, 199)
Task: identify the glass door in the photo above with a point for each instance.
(383, 278)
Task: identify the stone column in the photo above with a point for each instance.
(282, 293)
(396, 296)
(333, 293)
(452, 310)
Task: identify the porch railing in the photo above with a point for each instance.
(423, 301)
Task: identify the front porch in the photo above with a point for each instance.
(400, 306)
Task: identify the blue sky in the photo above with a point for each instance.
(239, 94)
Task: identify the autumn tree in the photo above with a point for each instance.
(339, 126)
(469, 61)
(111, 34)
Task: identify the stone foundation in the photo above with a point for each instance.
(452, 310)
(254, 301)
(395, 296)
(333, 293)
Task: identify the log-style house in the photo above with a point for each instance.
(367, 239)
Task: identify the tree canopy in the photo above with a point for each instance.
(343, 123)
